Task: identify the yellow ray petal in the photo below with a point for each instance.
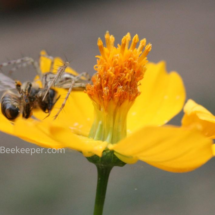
(6, 126)
(168, 148)
(197, 116)
(192, 107)
(35, 132)
(68, 139)
(213, 149)
(58, 62)
(162, 97)
(70, 70)
(126, 159)
(45, 62)
(77, 113)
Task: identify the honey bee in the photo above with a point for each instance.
(30, 95)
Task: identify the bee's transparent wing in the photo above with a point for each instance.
(6, 83)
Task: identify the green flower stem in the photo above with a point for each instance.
(102, 182)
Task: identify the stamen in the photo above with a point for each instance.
(145, 53)
(112, 40)
(107, 39)
(128, 38)
(142, 45)
(134, 42)
(119, 71)
(101, 48)
(123, 44)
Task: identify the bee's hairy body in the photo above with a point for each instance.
(29, 97)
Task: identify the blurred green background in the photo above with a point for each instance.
(182, 34)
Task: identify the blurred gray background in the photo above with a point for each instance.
(182, 34)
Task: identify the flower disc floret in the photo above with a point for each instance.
(119, 70)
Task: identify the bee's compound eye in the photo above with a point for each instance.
(10, 111)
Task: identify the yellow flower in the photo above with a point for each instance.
(196, 116)
(122, 111)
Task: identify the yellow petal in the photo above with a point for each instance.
(35, 132)
(213, 149)
(192, 107)
(77, 113)
(6, 126)
(169, 148)
(68, 139)
(125, 159)
(72, 71)
(45, 62)
(162, 97)
(59, 62)
(197, 116)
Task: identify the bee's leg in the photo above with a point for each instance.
(22, 62)
(69, 91)
(27, 111)
(14, 69)
(47, 115)
(85, 75)
(35, 64)
(10, 62)
(67, 96)
(61, 70)
(17, 67)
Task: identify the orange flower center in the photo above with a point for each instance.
(119, 70)
(115, 85)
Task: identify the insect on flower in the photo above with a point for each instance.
(31, 95)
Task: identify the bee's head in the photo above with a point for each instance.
(48, 103)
